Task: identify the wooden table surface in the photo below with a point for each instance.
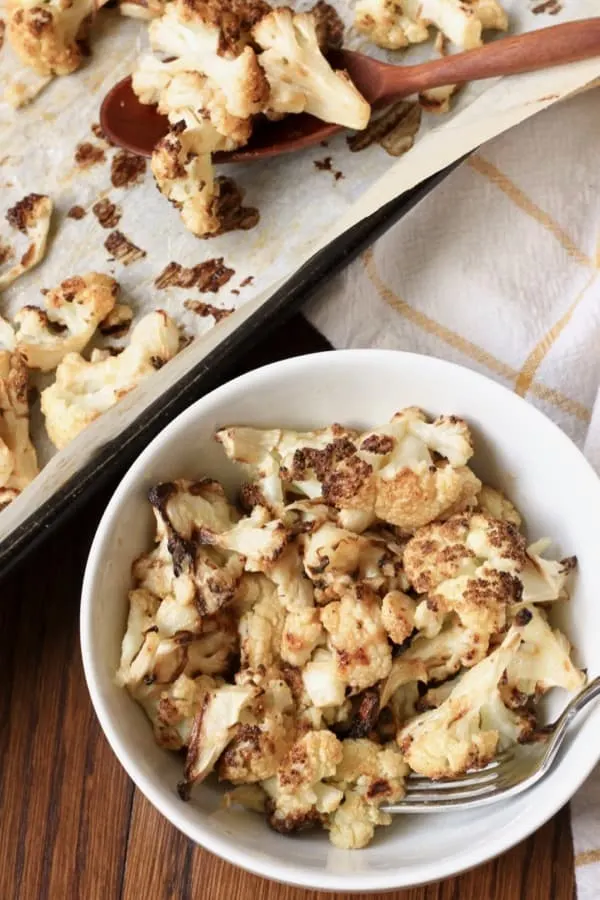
(72, 826)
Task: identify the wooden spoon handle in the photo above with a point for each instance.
(539, 49)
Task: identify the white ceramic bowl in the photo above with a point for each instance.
(518, 449)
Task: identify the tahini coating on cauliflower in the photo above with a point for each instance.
(299, 76)
(312, 653)
(18, 460)
(84, 390)
(32, 216)
(50, 36)
(73, 312)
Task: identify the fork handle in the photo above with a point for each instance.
(540, 49)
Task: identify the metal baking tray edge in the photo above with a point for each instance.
(210, 372)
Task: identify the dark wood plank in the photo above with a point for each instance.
(163, 865)
(71, 825)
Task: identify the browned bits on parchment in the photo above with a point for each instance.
(96, 130)
(88, 155)
(122, 249)
(247, 280)
(19, 215)
(208, 276)
(228, 208)
(552, 7)
(207, 309)
(107, 213)
(6, 253)
(127, 169)
(399, 121)
(324, 165)
(2, 30)
(76, 212)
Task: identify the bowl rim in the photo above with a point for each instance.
(547, 803)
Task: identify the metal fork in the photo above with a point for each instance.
(513, 771)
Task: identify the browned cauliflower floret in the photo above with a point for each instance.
(172, 708)
(73, 312)
(298, 794)
(495, 504)
(384, 23)
(31, 216)
(398, 615)
(388, 473)
(261, 627)
(369, 774)
(214, 42)
(468, 728)
(302, 632)
(299, 76)
(84, 390)
(18, 460)
(397, 23)
(214, 727)
(542, 660)
(265, 733)
(50, 36)
(355, 631)
(452, 648)
(143, 606)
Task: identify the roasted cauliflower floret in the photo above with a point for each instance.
(400, 22)
(193, 98)
(298, 794)
(467, 729)
(190, 514)
(266, 731)
(214, 727)
(299, 76)
(496, 505)
(302, 632)
(399, 692)
(50, 36)
(322, 680)
(453, 647)
(442, 551)
(398, 615)
(32, 216)
(181, 165)
(215, 44)
(369, 774)
(18, 460)
(384, 23)
(84, 390)
(356, 633)
(543, 659)
(261, 628)
(73, 312)
(172, 708)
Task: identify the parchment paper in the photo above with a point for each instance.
(302, 208)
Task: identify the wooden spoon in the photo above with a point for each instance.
(137, 127)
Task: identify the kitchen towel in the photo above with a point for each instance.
(499, 269)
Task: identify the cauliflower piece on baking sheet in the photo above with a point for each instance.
(311, 655)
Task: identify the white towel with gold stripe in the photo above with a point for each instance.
(499, 269)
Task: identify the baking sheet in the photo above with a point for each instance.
(37, 147)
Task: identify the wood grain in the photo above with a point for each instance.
(71, 825)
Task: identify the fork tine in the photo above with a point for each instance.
(476, 776)
(465, 792)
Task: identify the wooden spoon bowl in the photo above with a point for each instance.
(137, 127)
